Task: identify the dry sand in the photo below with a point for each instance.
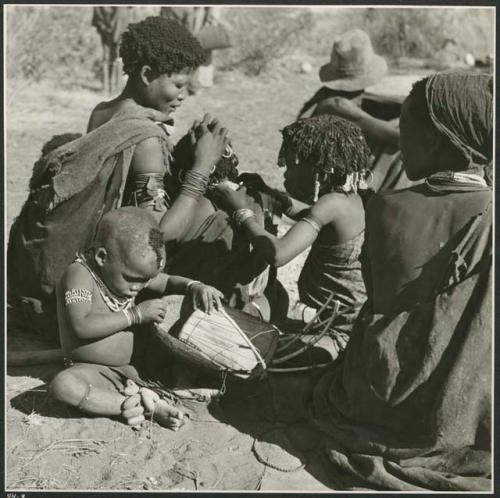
(50, 446)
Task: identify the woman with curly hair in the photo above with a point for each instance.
(123, 160)
(327, 163)
(159, 57)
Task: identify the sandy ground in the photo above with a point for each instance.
(49, 446)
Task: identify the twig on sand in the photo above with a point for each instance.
(14, 447)
(124, 483)
(82, 445)
(39, 483)
(261, 479)
(190, 474)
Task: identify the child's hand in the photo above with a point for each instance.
(153, 310)
(231, 200)
(206, 297)
(132, 409)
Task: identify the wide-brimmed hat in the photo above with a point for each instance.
(353, 63)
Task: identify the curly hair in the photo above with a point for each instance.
(162, 44)
(58, 140)
(329, 144)
(40, 174)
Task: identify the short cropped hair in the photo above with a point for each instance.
(130, 230)
(162, 44)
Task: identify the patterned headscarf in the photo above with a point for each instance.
(461, 107)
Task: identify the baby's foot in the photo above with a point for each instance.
(162, 412)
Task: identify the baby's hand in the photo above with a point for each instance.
(153, 310)
(206, 297)
(132, 409)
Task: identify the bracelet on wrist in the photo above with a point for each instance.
(128, 317)
(194, 184)
(191, 284)
(242, 215)
(133, 315)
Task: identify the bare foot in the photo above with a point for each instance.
(162, 411)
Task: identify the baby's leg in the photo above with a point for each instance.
(95, 389)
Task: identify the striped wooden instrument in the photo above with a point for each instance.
(228, 340)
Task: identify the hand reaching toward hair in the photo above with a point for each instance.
(209, 140)
(230, 200)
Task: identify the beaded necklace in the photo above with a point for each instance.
(445, 181)
(114, 302)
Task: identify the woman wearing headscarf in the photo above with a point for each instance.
(409, 408)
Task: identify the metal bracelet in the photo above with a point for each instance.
(85, 397)
(242, 215)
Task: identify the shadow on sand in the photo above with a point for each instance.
(274, 412)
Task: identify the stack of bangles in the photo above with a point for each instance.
(242, 215)
(133, 316)
(194, 184)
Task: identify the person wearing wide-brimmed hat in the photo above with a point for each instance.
(353, 63)
(353, 67)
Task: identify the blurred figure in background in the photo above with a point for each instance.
(354, 67)
(194, 19)
(110, 23)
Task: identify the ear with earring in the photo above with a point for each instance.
(316, 187)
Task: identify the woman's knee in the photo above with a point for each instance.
(68, 387)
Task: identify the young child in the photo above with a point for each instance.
(96, 312)
(327, 162)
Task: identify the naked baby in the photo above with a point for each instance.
(96, 312)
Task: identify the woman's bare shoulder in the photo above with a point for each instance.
(149, 156)
(102, 113)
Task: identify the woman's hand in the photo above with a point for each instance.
(231, 200)
(209, 140)
(206, 297)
